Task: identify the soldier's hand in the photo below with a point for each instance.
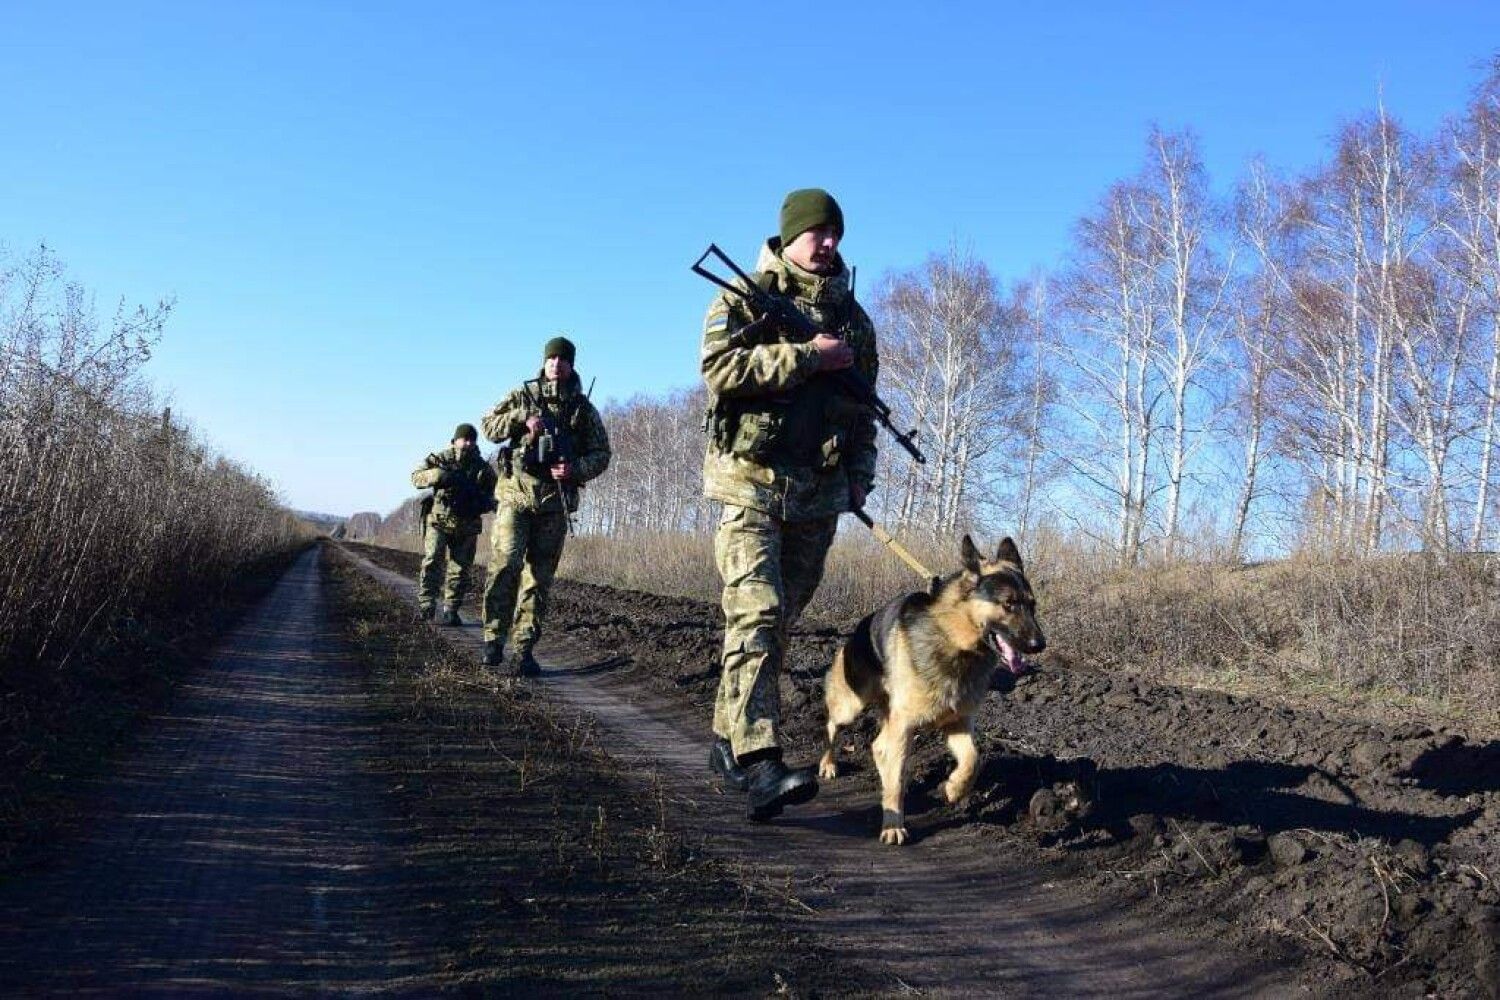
(833, 353)
(562, 471)
(534, 424)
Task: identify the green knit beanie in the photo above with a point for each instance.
(560, 347)
(808, 207)
(465, 431)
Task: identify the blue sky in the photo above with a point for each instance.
(372, 215)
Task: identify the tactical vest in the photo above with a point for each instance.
(801, 427)
(526, 479)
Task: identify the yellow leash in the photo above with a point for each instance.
(901, 552)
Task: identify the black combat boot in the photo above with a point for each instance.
(494, 652)
(450, 616)
(721, 761)
(773, 786)
(526, 665)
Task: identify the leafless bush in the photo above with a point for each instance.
(109, 511)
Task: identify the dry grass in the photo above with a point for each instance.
(1389, 634)
(1387, 630)
(557, 869)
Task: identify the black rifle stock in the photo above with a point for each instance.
(783, 312)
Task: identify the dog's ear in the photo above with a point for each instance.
(970, 555)
(1007, 552)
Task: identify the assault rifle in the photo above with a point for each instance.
(784, 313)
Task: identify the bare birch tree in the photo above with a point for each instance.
(1259, 306)
(1109, 295)
(1472, 223)
(1036, 342)
(655, 480)
(947, 352)
(1360, 229)
(1181, 219)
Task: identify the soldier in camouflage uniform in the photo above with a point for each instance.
(787, 454)
(535, 498)
(462, 483)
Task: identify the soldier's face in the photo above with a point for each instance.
(816, 250)
(557, 368)
(462, 444)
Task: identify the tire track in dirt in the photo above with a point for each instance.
(935, 923)
(243, 843)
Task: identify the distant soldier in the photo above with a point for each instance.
(551, 442)
(462, 484)
(787, 455)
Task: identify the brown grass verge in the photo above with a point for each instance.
(554, 868)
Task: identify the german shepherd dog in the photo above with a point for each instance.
(927, 660)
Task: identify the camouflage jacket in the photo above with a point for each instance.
(523, 484)
(457, 508)
(781, 439)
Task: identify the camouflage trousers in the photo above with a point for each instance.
(770, 569)
(525, 546)
(446, 559)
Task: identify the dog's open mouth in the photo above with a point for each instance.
(1010, 657)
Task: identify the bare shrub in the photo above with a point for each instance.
(110, 512)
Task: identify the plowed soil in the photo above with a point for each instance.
(1359, 857)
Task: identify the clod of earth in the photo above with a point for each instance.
(1287, 851)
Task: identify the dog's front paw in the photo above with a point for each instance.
(892, 828)
(954, 792)
(828, 769)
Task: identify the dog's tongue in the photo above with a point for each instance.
(1014, 661)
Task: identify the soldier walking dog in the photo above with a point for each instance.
(787, 454)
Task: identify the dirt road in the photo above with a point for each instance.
(256, 837)
(242, 842)
(937, 922)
